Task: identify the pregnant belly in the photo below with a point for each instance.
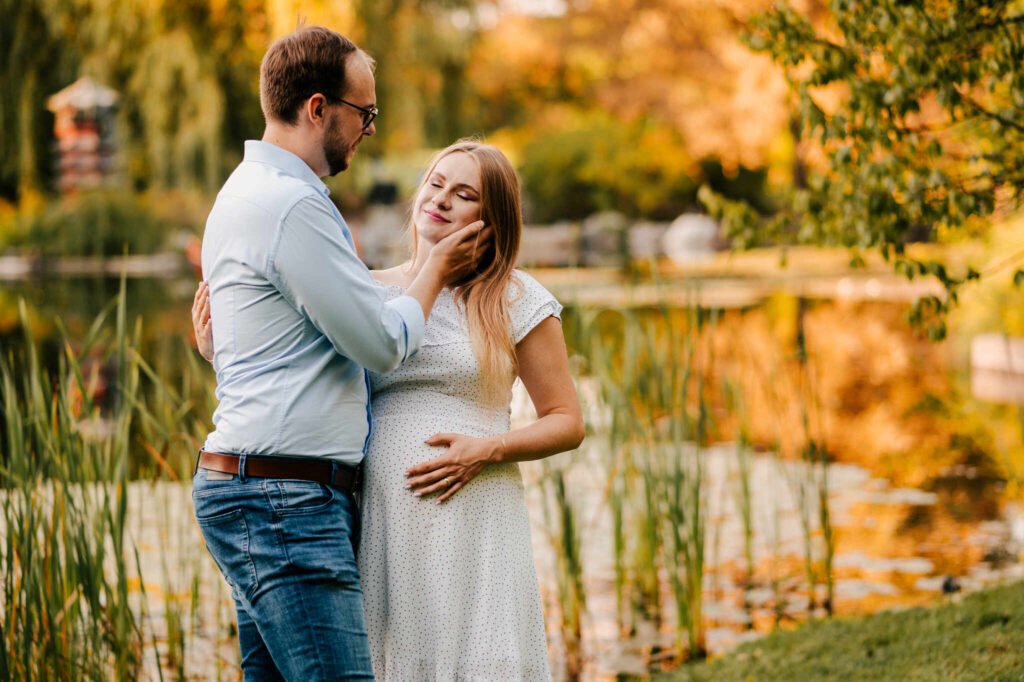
(397, 443)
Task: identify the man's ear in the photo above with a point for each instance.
(314, 108)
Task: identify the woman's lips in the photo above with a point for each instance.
(437, 217)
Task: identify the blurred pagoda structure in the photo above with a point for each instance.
(84, 127)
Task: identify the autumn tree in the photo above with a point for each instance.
(675, 62)
(916, 110)
(33, 64)
(422, 50)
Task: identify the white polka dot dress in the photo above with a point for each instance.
(450, 590)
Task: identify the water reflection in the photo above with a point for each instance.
(878, 564)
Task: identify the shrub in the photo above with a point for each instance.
(592, 162)
(102, 223)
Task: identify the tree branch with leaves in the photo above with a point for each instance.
(916, 112)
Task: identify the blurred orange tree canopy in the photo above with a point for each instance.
(668, 81)
(875, 121)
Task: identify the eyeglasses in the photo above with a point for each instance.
(369, 113)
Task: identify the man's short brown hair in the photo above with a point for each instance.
(299, 65)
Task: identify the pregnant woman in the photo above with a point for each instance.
(450, 589)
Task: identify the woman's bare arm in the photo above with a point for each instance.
(544, 370)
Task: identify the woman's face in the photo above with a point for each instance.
(449, 198)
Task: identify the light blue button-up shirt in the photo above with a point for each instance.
(296, 315)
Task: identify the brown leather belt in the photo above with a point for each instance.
(335, 474)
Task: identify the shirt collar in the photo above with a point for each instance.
(282, 159)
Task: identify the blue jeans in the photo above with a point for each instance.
(286, 548)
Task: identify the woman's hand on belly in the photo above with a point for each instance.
(449, 473)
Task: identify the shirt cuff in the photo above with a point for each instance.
(409, 309)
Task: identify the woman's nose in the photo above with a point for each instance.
(441, 199)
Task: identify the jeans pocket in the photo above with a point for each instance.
(289, 497)
(320, 543)
(227, 539)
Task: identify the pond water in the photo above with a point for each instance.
(880, 563)
(917, 487)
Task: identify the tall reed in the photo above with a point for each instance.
(76, 428)
(618, 459)
(560, 515)
(791, 389)
(742, 493)
(65, 558)
(813, 485)
(650, 378)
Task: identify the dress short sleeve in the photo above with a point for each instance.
(529, 305)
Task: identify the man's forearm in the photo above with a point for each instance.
(426, 286)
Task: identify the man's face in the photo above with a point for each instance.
(344, 124)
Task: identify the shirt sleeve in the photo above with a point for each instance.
(319, 273)
(530, 305)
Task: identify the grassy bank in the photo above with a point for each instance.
(978, 638)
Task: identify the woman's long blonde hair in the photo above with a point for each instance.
(483, 295)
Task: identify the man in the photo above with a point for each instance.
(298, 318)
